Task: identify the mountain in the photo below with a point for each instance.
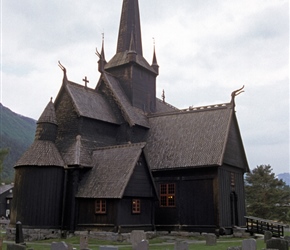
(285, 177)
(17, 134)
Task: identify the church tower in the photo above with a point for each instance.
(137, 77)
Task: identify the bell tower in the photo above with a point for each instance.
(137, 77)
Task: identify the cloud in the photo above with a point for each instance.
(205, 50)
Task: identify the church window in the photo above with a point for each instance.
(167, 195)
(136, 206)
(100, 206)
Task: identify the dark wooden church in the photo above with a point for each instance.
(117, 158)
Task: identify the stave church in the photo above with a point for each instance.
(116, 158)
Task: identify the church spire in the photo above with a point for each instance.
(130, 24)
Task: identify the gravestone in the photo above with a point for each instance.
(83, 242)
(143, 245)
(19, 233)
(279, 244)
(108, 248)
(181, 245)
(288, 239)
(249, 244)
(136, 237)
(267, 236)
(15, 247)
(59, 246)
(210, 239)
(234, 248)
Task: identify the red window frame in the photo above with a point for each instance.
(136, 206)
(167, 194)
(100, 206)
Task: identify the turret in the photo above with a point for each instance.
(155, 65)
(46, 124)
(102, 61)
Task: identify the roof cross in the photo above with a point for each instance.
(86, 81)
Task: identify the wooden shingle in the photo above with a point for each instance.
(188, 138)
(113, 167)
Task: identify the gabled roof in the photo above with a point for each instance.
(41, 153)
(113, 167)
(90, 104)
(79, 152)
(5, 188)
(190, 138)
(131, 114)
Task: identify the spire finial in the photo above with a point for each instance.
(163, 95)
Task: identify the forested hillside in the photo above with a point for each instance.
(16, 134)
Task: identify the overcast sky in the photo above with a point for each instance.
(205, 49)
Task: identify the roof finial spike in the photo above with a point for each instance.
(235, 93)
(163, 95)
(50, 99)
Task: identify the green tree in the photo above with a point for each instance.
(267, 197)
(3, 153)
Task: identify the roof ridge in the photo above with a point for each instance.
(192, 109)
(80, 85)
(141, 144)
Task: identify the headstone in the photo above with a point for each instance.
(210, 239)
(108, 248)
(143, 245)
(234, 248)
(267, 236)
(136, 237)
(15, 247)
(249, 244)
(83, 242)
(279, 244)
(19, 233)
(70, 247)
(59, 246)
(181, 245)
(287, 237)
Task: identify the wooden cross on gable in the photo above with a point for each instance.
(86, 81)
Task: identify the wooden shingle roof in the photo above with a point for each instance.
(41, 153)
(121, 58)
(91, 104)
(188, 138)
(162, 107)
(48, 115)
(78, 152)
(113, 167)
(131, 114)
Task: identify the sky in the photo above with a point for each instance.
(205, 49)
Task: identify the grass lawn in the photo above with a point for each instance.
(157, 243)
